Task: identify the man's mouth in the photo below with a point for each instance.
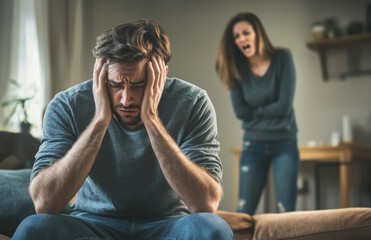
(127, 112)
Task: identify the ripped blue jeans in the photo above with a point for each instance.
(255, 162)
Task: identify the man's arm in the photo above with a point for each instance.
(199, 190)
(54, 186)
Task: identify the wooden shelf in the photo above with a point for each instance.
(341, 42)
(321, 46)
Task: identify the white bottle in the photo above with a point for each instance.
(347, 129)
(335, 138)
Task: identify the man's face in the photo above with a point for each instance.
(126, 84)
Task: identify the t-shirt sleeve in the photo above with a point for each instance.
(58, 134)
(200, 143)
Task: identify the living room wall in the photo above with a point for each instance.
(195, 27)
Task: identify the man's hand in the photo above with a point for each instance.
(54, 186)
(156, 78)
(103, 110)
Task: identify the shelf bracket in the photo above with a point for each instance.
(323, 61)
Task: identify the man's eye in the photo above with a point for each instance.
(138, 85)
(116, 85)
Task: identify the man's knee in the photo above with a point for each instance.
(34, 226)
(209, 225)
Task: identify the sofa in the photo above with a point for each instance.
(339, 224)
(347, 223)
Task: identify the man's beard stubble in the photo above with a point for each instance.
(127, 122)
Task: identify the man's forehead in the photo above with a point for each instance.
(124, 68)
(131, 71)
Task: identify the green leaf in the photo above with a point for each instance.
(11, 114)
(15, 83)
(6, 103)
(19, 104)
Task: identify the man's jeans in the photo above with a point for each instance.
(256, 159)
(89, 227)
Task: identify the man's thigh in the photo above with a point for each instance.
(49, 226)
(194, 226)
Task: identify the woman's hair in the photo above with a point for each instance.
(133, 42)
(230, 60)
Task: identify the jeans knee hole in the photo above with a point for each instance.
(281, 207)
(241, 203)
(244, 168)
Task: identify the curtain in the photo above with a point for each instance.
(66, 43)
(45, 44)
(6, 19)
(29, 65)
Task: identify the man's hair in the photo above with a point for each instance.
(133, 42)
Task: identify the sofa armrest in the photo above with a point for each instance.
(339, 224)
(241, 224)
(3, 237)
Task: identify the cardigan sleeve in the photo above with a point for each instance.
(241, 108)
(284, 103)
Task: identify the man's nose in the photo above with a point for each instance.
(127, 97)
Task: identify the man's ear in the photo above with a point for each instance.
(167, 68)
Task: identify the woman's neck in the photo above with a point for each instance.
(258, 60)
(259, 64)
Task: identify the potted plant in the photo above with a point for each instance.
(18, 105)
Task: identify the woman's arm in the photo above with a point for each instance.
(284, 103)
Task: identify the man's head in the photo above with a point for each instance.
(133, 42)
(126, 49)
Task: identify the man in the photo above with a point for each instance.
(139, 148)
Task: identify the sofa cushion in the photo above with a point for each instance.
(241, 224)
(339, 224)
(15, 204)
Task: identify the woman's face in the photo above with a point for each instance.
(245, 38)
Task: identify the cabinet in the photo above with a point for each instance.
(321, 46)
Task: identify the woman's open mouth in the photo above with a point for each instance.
(246, 47)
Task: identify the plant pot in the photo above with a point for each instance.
(25, 127)
(319, 31)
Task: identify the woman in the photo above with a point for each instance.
(261, 80)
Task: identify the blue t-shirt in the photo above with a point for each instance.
(126, 179)
(265, 104)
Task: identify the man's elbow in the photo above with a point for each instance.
(41, 204)
(211, 204)
(210, 207)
